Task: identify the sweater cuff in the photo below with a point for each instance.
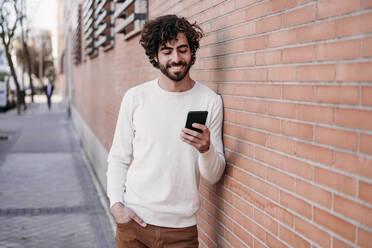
(206, 156)
(115, 199)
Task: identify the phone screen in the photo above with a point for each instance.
(196, 117)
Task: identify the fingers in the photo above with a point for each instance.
(139, 221)
(134, 217)
(200, 126)
(198, 140)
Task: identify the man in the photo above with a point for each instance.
(49, 92)
(154, 163)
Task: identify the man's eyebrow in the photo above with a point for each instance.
(164, 47)
(182, 46)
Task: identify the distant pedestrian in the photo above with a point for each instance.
(154, 164)
(49, 92)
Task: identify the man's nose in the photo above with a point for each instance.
(176, 57)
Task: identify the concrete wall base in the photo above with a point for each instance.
(93, 148)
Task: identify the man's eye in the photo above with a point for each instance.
(183, 50)
(166, 52)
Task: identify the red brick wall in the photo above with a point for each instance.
(296, 80)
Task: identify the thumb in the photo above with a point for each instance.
(139, 220)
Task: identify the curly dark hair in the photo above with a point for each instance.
(159, 31)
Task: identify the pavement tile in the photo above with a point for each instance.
(47, 198)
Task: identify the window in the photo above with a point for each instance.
(77, 36)
(130, 16)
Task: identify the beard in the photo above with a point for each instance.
(175, 76)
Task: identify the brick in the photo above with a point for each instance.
(284, 74)
(313, 233)
(297, 167)
(296, 204)
(269, 24)
(339, 182)
(354, 164)
(258, 10)
(258, 244)
(337, 7)
(291, 238)
(238, 146)
(338, 94)
(336, 138)
(364, 238)
(316, 73)
(278, 5)
(244, 60)
(243, 235)
(235, 32)
(245, 133)
(314, 153)
(245, 193)
(255, 43)
(366, 143)
(298, 130)
(349, 49)
(354, 210)
(314, 193)
(281, 179)
(279, 213)
(259, 122)
(335, 224)
(271, 241)
(299, 16)
(367, 3)
(282, 38)
(339, 244)
(299, 54)
(298, 92)
(282, 109)
(367, 47)
(268, 58)
(354, 25)
(244, 104)
(246, 164)
(359, 72)
(265, 189)
(354, 118)
(365, 190)
(300, 2)
(267, 91)
(317, 32)
(266, 221)
(269, 157)
(315, 113)
(367, 95)
(281, 144)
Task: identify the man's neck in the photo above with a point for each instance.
(169, 85)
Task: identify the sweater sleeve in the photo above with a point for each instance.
(212, 162)
(120, 155)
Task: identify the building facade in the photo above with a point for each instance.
(296, 81)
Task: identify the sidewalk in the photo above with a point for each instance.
(47, 197)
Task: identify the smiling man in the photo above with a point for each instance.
(154, 164)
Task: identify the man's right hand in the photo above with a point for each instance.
(123, 215)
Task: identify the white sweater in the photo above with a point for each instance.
(150, 169)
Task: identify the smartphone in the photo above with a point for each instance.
(198, 117)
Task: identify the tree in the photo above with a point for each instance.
(37, 56)
(10, 16)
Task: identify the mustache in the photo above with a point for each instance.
(176, 64)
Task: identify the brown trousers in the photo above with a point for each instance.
(132, 235)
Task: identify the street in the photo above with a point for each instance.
(47, 196)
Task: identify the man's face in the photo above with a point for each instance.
(174, 58)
